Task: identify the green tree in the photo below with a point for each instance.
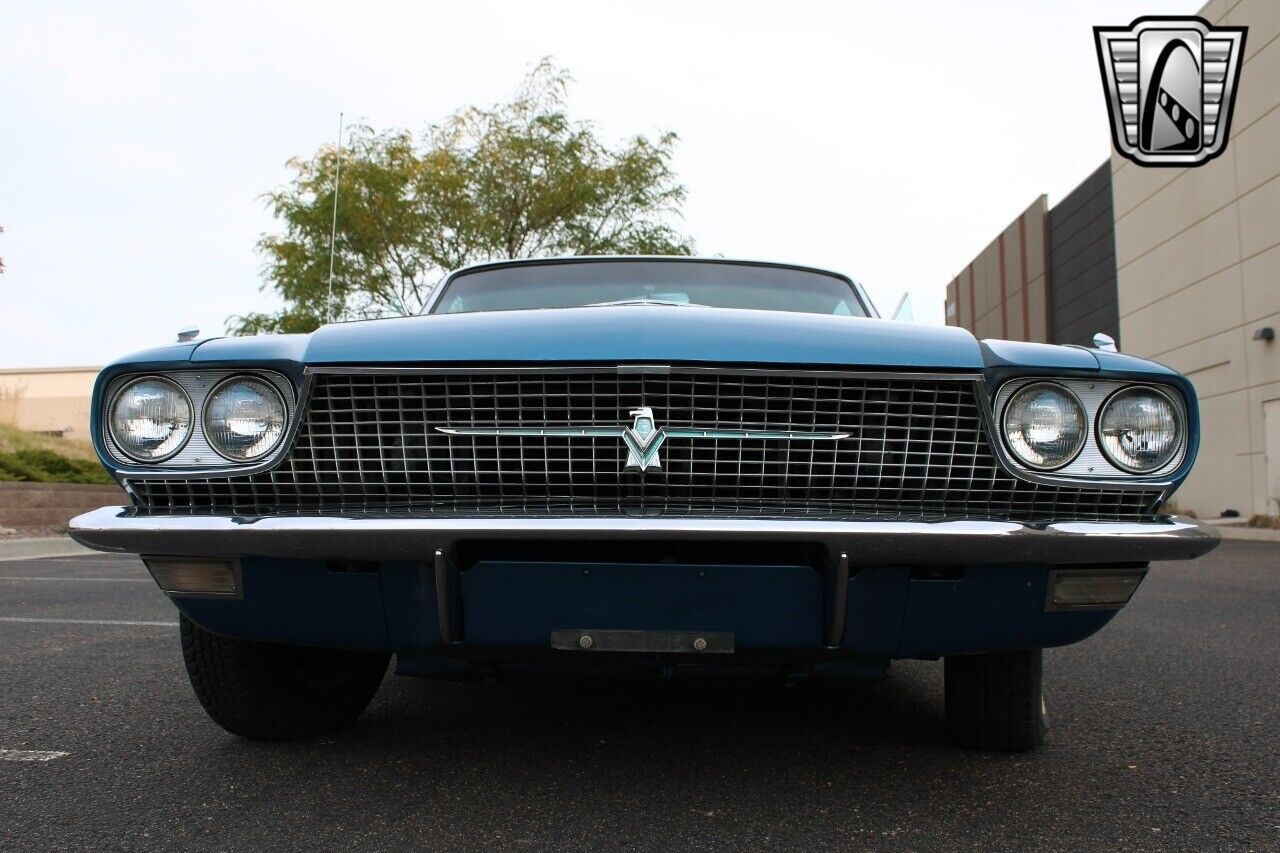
(518, 179)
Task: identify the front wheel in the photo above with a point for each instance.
(995, 701)
(267, 691)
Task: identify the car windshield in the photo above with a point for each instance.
(674, 283)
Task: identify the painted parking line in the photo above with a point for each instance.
(79, 560)
(35, 620)
(91, 580)
(87, 558)
(30, 755)
(14, 554)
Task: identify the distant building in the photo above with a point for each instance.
(1050, 276)
(52, 400)
(1179, 265)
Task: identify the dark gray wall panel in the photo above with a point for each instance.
(1082, 263)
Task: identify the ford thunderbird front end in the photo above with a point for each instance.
(656, 465)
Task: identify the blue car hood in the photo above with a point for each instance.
(645, 333)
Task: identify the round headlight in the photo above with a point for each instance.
(244, 418)
(1139, 430)
(150, 419)
(1044, 426)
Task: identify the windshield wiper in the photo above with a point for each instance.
(671, 302)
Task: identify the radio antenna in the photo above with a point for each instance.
(333, 231)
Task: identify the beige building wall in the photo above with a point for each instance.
(1003, 292)
(53, 400)
(1198, 258)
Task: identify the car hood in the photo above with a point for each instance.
(644, 333)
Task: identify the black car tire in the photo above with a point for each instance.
(267, 691)
(995, 701)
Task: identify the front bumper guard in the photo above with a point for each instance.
(866, 543)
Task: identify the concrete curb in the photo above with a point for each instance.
(1250, 534)
(52, 546)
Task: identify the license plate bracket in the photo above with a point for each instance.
(648, 642)
(512, 603)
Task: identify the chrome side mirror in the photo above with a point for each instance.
(1104, 342)
(188, 333)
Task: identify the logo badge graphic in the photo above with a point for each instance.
(1170, 86)
(644, 437)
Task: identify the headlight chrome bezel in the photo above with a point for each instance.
(1092, 465)
(1179, 422)
(192, 415)
(208, 431)
(196, 456)
(1083, 412)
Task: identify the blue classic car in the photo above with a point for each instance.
(653, 465)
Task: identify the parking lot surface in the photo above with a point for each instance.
(1165, 733)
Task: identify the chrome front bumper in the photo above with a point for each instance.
(865, 542)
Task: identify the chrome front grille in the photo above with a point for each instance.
(369, 444)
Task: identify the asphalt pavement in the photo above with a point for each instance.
(1165, 734)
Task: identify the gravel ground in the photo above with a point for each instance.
(1165, 734)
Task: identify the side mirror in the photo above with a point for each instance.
(1104, 342)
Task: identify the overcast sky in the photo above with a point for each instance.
(890, 141)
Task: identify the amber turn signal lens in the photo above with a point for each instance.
(183, 576)
(1089, 589)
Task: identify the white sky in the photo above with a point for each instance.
(888, 140)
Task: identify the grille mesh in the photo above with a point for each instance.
(368, 445)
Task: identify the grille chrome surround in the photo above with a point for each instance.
(918, 447)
